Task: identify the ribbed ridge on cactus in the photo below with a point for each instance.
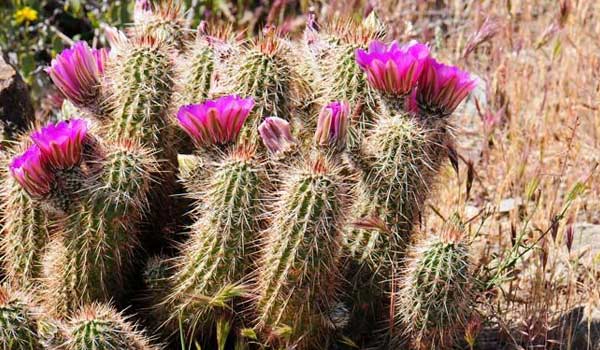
(89, 265)
(141, 74)
(211, 270)
(123, 183)
(433, 303)
(298, 272)
(195, 71)
(400, 152)
(98, 326)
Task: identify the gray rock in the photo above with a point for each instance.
(587, 236)
(579, 329)
(16, 109)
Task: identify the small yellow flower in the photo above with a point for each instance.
(25, 15)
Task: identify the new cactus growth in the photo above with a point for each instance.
(338, 77)
(98, 326)
(434, 300)
(298, 274)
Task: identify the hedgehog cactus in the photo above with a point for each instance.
(18, 321)
(298, 274)
(353, 131)
(209, 273)
(434, 300)
(265, 71)
(24, 231)
(337, 76)
(98, 326)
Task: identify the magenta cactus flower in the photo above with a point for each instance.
(392, 69)
(77, 72)
(332, 125)
(61, 144)
(276, 135)
(31, 171)
(215, 121)
(442, 88)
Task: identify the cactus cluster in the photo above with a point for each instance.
(309, 167)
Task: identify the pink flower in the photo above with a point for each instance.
(392, 69)
(276, 135)
(32, 172)
(61, 144)
(332, 125)
(215, 121)
(77, 72)
(442, 88)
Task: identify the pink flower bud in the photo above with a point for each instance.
(276, 135)
(332, 125)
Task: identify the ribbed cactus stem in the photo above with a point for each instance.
(195, 70)
(98, 326)
(24, 235)
(211, 270)
(298, 273)
(434, 300)
(99, 235)
(265, 71)
(403, 158)
(141, 84)
(18, 321)
(338, 76)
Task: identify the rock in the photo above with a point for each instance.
(509, 204)
(16, 108)
(586, 236)
(579, 329)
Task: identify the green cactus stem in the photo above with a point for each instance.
(434, 300)
(210, 272)
(298, 273)
(98, 326)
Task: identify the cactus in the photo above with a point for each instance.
(296, 282)
(214, 262)
(210, 271)
(141, 85)
(337, 75)
(161, 20)
(275, 227)
(265, 71)
(24, 232)
(18, 321)
(98, 326)
(434, 300)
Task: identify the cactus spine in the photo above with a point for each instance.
(298, 271)
(98, 326)
(434, 301)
